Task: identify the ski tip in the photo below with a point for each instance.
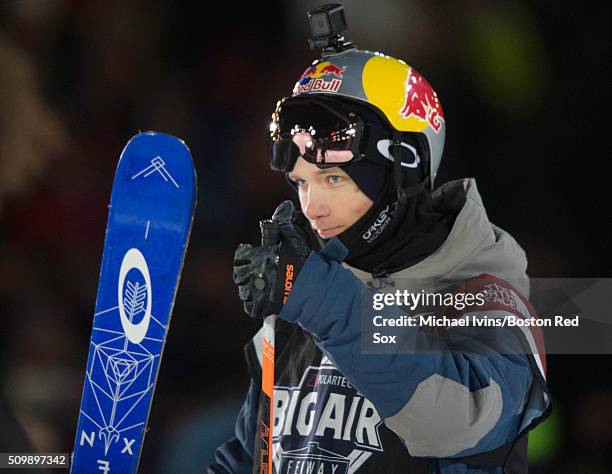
(152, 133)
(157, 138)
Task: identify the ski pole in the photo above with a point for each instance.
(270, 235)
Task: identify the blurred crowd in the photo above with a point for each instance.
(78, 78)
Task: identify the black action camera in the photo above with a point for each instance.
(326, 24)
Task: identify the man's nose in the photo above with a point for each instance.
(316, 205)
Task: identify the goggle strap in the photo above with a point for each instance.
(403, 194)
(397, 167)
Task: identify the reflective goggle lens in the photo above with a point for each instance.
(312, 129)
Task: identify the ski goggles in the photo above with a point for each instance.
(323, 133)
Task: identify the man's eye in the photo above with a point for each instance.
(297, 181)
(335, 179)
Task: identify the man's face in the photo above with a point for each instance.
(329, 198)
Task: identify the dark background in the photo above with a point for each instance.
(525, 92)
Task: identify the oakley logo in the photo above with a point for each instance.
(379, 225)
(384, 147)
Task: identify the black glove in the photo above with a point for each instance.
(265, 275)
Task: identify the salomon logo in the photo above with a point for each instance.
(384, 147)
(288, 282)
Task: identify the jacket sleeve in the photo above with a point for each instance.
(443, 403)
(236, 455)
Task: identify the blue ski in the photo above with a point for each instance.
(149, 221)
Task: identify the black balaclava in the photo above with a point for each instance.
(369, 177)
(391, 236)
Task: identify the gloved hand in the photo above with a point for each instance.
(265, 275)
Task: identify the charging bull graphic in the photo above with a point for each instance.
(422, 102)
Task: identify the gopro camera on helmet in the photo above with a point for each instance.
(326, 24)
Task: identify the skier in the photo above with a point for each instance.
(361, 140)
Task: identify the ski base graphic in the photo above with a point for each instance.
(149, 221)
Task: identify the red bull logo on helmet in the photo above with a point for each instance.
(313, 79)
(422, 102)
